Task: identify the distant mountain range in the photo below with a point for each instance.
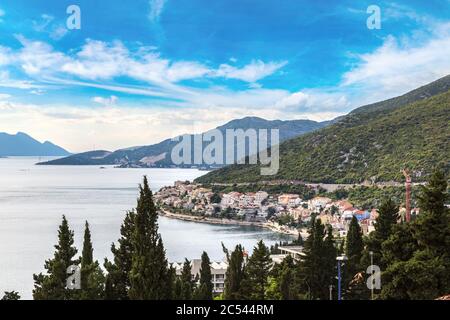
(159, 155)
(374, 142)
(22, 144)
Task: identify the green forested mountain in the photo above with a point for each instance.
(371, 143)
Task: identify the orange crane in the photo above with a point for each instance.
(408, 194)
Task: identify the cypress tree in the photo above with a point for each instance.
(186, 282)
(258, 269)
(92, 278)
(354, 247)
(235, 274)
(287, 279)
(149, 274)
(117, 282)
(204, 290)
(52, 285)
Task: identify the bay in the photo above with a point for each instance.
(34, 198)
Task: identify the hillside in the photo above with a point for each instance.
(22, 144)
(371, 143)
(159, 155)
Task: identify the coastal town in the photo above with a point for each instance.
(283, 212)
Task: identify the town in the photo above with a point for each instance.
(283, 212)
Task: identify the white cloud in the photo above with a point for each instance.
(252, 72)
(156, 8)
(400, 66)
(109, 101)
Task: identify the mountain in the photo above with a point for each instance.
(159, 155)
(22, 144)
(374, 142)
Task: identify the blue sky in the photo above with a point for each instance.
(139, 72)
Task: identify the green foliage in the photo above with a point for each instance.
(317, 267)
(149, 276)
(92, 278)
(117, 281)
(363, 146)
(258, 268)
(52, 285)
(235, 274)
(11, 295)
(417, 253)
(204, 290)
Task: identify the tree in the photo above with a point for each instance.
(187, 285)
(318, 254)
(417, 252)
(387, 218)
(215, 198)
(235, 274)
(204, 289)
(92, 278)
(117, 282)
(354, 248)
(11, 295)
(258, 268)
(149, 275)
(52, 285)
(432, 227)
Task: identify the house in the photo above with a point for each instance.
(318, 203)
(218, 272)
(289, 199)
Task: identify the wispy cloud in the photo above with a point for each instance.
(156, 9)
(108, 101)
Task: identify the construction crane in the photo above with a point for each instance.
(408, 194)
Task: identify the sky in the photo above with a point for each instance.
(140, 72)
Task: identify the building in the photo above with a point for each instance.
(218, 272)
(318, 203)
(296, 252)
(289, 199)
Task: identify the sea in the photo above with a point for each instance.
(33, 199)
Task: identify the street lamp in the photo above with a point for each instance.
(340, 261)
(371, 263)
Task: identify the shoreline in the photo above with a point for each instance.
(267, 225)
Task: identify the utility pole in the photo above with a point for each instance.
(331, 292)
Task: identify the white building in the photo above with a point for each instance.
(218, 272)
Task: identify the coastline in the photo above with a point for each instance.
(267, 225)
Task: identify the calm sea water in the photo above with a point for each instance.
(33, 199)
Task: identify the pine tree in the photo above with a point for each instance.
(235, 274)
(287, 280)
(204, 290)
(52, 285)
(92, 278)
(149, 274)
(258, 269)
(117, 282)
